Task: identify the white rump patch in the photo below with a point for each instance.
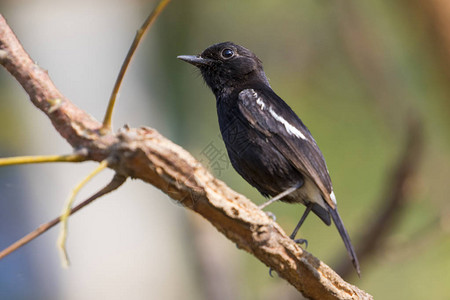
(333, 197)
(289, 128)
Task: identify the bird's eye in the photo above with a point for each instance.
(227, 53)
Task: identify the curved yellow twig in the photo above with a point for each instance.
(137, 39)
(20, 160)
(68, 207)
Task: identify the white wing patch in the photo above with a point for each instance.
(289, 128)
(292, 130)
(259, 101)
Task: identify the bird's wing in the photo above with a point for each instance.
(274, 119)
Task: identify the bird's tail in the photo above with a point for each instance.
(344, 235)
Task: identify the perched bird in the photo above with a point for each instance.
(267, 143)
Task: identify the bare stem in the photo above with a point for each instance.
(116, 182)
(137, 39)
(20, 160)
(67, 209)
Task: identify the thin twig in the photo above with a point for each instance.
(139, 35)
(20, 160)
(67, 208)
(116, 182)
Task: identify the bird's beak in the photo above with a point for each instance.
(195, 60)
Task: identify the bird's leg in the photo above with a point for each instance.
(294, 233)
(308, 208)
(281, 195)
(299, 224)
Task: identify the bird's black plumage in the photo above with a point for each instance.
(268, 144)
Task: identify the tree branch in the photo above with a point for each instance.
(145, 154)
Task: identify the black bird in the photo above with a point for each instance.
(268, 144)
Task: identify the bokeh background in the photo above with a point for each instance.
(371, 80)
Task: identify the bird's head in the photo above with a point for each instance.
(227, 66)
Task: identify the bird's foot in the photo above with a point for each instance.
(298, 241)
(270, 272)
(271, 215)
(301, 242)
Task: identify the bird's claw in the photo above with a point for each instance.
(302, 242)
(271, 215)
(298, 241)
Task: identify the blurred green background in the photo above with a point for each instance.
(357, 73)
